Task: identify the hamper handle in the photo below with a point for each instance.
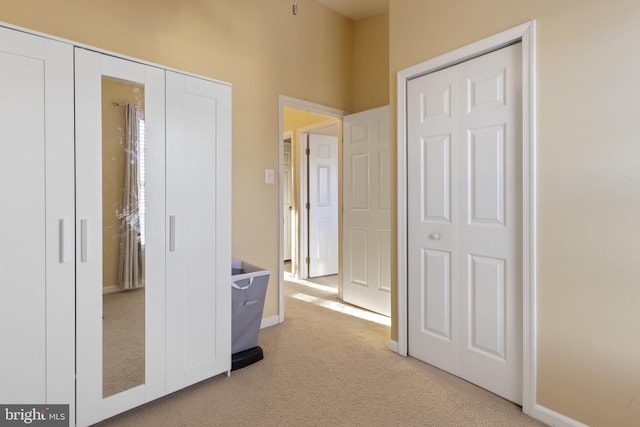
(233, 284)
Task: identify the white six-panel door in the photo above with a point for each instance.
(465, 221)
(36, 188)
(367, 211)
(323, 200)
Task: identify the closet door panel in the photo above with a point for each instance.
(88, 238)
(198, 252)
(23, 275)
(36, 182)
(60, 203)
(155, 233)
(98, 330)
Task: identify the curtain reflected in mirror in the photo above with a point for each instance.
(123, 220)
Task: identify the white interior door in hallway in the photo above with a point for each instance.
(464, 168)
(366, 237)
(287, 198)
(323, 205)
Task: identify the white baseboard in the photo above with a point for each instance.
(553, 418)
(270, 321)
(393, 346)
(111, 289)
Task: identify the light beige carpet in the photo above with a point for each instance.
(324, 368)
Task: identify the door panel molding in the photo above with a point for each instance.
(524, 33)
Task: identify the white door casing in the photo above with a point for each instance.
(323, 202)
(37, 361)
(465, 220)
(367, 211)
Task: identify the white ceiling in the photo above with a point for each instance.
(356, 9)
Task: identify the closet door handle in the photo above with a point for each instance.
(83, 240)
(172, 233)
(65, 240)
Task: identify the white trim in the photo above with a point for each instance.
(402, 79)
(393, 346)
(553, 418)
(529, 206)
(267, 322)
(310, 107)
(301, 269)
(280, 215)
(298, 104)
(526, 34)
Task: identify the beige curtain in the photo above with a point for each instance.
(131, 265)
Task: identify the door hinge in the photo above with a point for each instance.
(307, 205)
(307, 151)
(307, 260)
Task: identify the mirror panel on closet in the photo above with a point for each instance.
(123, 235)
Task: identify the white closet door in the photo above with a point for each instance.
(465, 220)
(91, 68)
(199, 222)
(36, 187)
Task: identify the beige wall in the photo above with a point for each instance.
(371, 63)
(588, 179)
(258, 46)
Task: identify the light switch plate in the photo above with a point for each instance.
(269, 176)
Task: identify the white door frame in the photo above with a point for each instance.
(524, 33)
(311, 107)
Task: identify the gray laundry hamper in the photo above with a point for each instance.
(249, 287)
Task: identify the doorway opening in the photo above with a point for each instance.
(306, 237)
